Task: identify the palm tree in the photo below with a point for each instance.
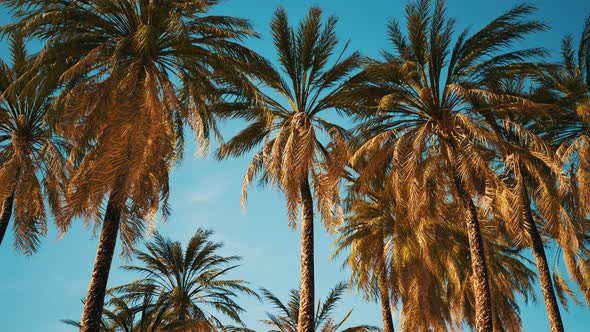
(135, 72)
(32, 165)
(190, 282)
(369, 222)
(286, 320)
(291, 132)
(527, 174)
(568, 86)
(532, 197)
(427, 99)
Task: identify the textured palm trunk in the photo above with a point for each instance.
(538, 249)
(91, 317)
(384, 297)
(6, 214)
(306, 303)
(479, 269)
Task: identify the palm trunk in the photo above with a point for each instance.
(91, 317)
(538, 249)
(479, 269)
(6, 214)
(306, 302)
(384, 297)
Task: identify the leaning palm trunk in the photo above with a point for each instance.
(536, 244)
(6, 214)
(481, 287)
(384, 297)
(91, 317)
(306, 302)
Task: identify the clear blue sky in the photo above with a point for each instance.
(36, 292)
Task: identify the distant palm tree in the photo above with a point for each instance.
(32, 166)
(134, 73)
(427, 100)
(286, 320)
(370, 221)
(190, 284)
(290, 126)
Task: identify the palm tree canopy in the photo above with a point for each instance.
(191, 281)
(431, 97)
(32, 166)
(134, 72)
(288, 121)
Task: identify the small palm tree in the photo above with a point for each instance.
(292, 129)
(32, 166)
(286, 320)
(370, 221)
(428, 100)
(190, 283)
(135, 72)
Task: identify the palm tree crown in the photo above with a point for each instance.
(191, 283)
(32, 164)
(286, 318)
(291, 133)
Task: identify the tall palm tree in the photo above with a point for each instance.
(32, 166)
(568, 86)
(135, 72)
(427, 98)
(533, 196)
(286, 320)
(191, 282)
(289, 125)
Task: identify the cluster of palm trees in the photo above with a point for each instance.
(465, 150)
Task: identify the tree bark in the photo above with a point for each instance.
(92, 315)
(479, 269)
(384, 297)
(306, 303)
(6, 214)
(538, 249)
